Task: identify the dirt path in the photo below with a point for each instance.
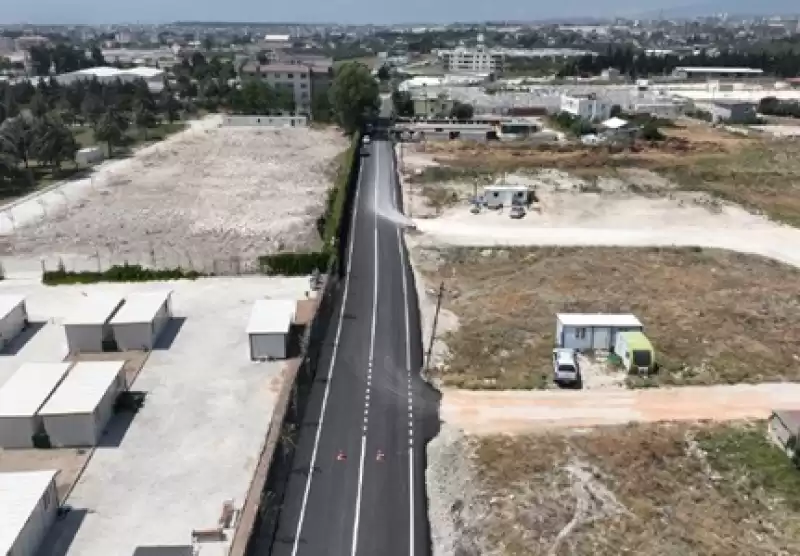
(517, 412)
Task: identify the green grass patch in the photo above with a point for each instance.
(117, 273)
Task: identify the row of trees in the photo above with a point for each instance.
(772, 106)
(634, 64)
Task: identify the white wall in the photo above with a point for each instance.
(31, 536)
(84, 338)
(13, 324)
(264, 121)
(17, 431)
(263, 346)
(142, 335)
(586, 108)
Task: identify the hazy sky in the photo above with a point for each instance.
(345, 11)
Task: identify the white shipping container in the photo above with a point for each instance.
(89, 326)
(77, 413)
(21, 398)
(28, 505)
(13, 318)
(141, 319)
(269, 328)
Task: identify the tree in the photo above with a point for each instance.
(650, 132)
(143, 116)
(615, 111)
(111, 128)
(38, 105)
(53, 142)
(17, 132)
(462, 111)
(384, 73)
(403, 104)
(208, 43)
(92, 108)
(168, 104)
(321, 107)
(354, 96)
(97, 56)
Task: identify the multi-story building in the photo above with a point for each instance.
(588, 107)
(473, 60)
(295, 77)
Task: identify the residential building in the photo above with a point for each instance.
(473, 60)
(588, 106)
(428, 105)
(295, 77)
(733, 112)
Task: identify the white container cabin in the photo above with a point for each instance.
(593, 331)
(28, 506)
(269, 329)
(88, 328)
(141, 320)
(13, 318)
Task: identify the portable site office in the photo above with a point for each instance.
(13, 317)
(89, 328)
(28, 505)
(141, 319)
(21, 398)
(269, 328)
(77, 413)
(589, 331)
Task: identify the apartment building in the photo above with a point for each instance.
(473, 60)
(295, 77)
(589, 107)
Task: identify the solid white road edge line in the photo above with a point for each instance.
(307, 490)
(357, 519)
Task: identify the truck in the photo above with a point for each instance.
(566, 370)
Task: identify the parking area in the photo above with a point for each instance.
(194, 445)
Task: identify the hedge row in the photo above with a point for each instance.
(117, 273)
(301, 264)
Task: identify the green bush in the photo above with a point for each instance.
(117, 273)
(294, 264)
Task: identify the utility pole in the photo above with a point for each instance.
(433, 328)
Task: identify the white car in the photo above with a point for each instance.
(565, 366)
(367, 140)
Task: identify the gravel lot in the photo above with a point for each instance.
(202, 196)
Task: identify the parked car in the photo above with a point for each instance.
(367, 140)
(566, 370)
(516, 211)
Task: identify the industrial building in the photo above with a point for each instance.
(88, 329)
(589, 106)
(733, 112)
(79, 410)
(21, 398)
(270, 328)
(141, 319)
(28, 505)
(715, 73)
(589, 331)
(13, 317)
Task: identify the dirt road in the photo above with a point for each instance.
(517, 412)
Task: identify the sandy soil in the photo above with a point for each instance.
(205, 194)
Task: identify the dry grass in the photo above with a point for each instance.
(713, 316)
(761, 175)
(642, 490)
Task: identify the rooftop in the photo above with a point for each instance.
(289, 68)
(94, 309)
(29, 387)
(597, 319)
(271, 316)
(790, 417)
(141, 307)
(8, 303)
(20, 492)
(83, 388)
(686, 69)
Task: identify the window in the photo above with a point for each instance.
(303, 85)
(290, 75)
(303, 76)
(277, 76)
(580, 333)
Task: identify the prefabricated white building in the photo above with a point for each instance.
(28, 505)
(77, 413)
(21, 398)
(13, 317)
(141, 319)
(585, 331)
(89, 325)
(269, 328)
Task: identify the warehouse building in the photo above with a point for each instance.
(269, 329)
(141, 319)
(13, 317)
(28, 505)
(79, 410)
(21, 398)
(89, 330)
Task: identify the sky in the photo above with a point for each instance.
(314, 11)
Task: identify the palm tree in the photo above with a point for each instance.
(111, 128)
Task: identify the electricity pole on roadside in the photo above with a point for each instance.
(433, 328)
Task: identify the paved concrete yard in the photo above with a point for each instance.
(196, 442)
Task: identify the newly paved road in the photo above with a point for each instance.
(370, 414)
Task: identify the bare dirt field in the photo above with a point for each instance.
(713, 316)
(761, 175)
(688, 489)
(204, 195)
(68, 461)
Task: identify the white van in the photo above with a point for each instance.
(565, 366)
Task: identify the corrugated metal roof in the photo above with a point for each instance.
(598, 319)
(29, 387)
(94, 309)
(20, 492)
(8, 303)
(141, 307)
(83, 388)
(271, 316)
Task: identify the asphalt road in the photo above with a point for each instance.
(358, 482)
